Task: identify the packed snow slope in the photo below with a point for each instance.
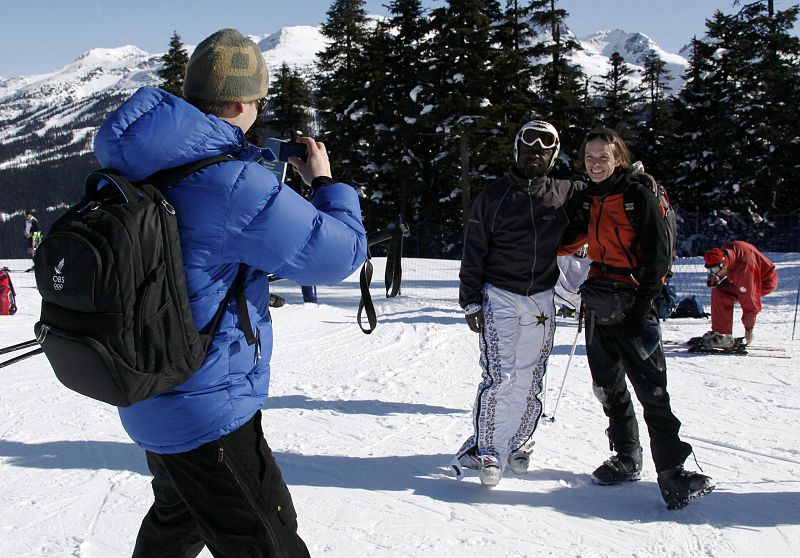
(364, 427)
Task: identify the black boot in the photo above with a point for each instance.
(619, 468)
(679, 486)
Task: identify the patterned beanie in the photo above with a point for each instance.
(226, 67)
(713, 257)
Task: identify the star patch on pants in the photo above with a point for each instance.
(541, 319)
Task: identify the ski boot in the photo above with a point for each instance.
(619, 468)
(679, 486)
(520, 459)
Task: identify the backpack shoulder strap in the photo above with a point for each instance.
(241, 307)
(167, 177)
(631, 195)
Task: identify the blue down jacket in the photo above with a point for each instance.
(228, 213)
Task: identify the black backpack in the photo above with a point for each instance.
(689, 308)
(667, 212)
(116, 324)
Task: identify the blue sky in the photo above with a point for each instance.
(37, 36)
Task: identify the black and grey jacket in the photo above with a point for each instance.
(513, 234)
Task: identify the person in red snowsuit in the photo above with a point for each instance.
(737, 272)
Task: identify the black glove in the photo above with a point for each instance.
(473, 314)
(276, 301)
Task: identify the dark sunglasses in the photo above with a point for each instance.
(598, 135)
(262, 104)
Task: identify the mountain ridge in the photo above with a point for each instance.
(48, 120)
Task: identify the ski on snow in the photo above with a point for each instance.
(695, 345)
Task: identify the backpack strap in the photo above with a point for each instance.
(241, 305)
(167, 177)
(164, 179)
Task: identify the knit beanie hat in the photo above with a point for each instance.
(713, 257)
(226, 67)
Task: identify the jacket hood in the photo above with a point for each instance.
(154, 130)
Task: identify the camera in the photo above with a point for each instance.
(284, 149)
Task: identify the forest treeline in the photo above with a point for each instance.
(419, 109)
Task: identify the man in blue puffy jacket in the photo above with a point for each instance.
(215, 481)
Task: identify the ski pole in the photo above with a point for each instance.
(794, 325)
(23, 356)
(18, 346)
(566, 370)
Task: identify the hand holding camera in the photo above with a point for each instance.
(316, 162)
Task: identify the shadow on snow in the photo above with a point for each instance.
(424, 475)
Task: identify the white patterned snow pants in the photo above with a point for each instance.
(515, 344)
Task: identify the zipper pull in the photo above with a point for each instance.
(168, 206)
(220, 455)
(257, 355)
(91, 206)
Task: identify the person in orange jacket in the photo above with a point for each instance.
(737, 272)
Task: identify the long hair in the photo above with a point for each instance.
(622, 154)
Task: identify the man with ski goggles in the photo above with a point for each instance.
(507, 279)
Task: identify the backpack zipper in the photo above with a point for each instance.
(45, 329)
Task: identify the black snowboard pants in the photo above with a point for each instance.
(612, 355)
(228, 495)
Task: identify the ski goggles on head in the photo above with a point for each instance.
(532, 136)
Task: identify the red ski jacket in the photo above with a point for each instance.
(751, 275)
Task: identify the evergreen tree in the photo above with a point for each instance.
(753, 142)
(341, 91)
(655, 126)
(769, 77)
(560, 83)
(694, 145)
(512, 73)
(373, 117)
(655, 81)
(289, 102)
(399, 158)
(286, 116)
(174, 66)
(616, 94)
(457, 110)
(511, 97)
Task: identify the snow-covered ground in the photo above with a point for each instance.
(364, 427)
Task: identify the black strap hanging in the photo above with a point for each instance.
(393, 275)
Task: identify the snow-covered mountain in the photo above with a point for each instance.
(54, 115)
(634, 47)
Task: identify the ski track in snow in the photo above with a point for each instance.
(364, 427)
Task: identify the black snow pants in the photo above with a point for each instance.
(228, 495)
(612, 355)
